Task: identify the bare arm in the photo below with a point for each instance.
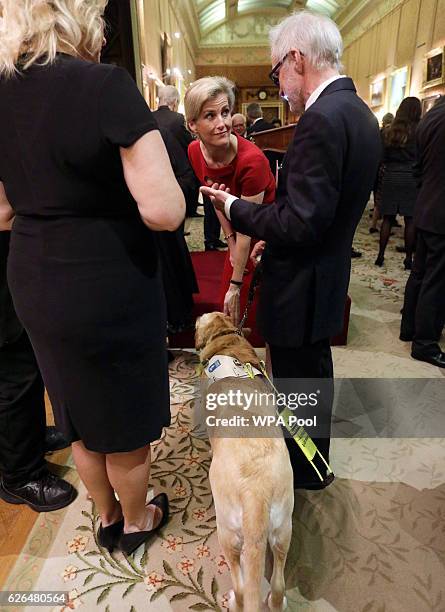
(243, 243)
(150, 179)
(6, 211)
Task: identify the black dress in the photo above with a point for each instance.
(83, 268)
(399, 187)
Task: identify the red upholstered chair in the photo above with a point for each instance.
(209, 268)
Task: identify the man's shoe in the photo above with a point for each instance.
(355, 253)
(220, 244)
(437, 360)
(194, 215)
(215, 246)
(54, 440)
(43, 495)
(404, 337)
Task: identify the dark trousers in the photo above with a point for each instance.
(424, 304)
(306, 362)
(22, 413)
(212, 226)
(22, 405)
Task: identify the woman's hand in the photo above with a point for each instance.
(232, 304)
(257, 252)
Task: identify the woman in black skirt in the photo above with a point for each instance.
(398, 188)
(84, 170)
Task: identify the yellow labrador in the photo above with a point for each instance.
(252, 484)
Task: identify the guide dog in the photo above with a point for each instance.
(251, 481)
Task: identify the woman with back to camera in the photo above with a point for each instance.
(398, 186)
(220, 156)
(86, 179)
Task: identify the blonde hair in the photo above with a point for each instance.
(32, 30)
(205, 89)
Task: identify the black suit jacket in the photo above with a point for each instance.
(429, 212)
(175, 123)
(327, 176)
(259, 126)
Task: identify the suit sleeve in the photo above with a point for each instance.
(182, 133)
(306, 207)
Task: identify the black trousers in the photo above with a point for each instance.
(212, 226)
(22, 405)
(22, 413)
(424, 304)
(306, 362)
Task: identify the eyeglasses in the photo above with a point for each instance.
(274, 74)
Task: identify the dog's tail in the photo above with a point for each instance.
(255, 531)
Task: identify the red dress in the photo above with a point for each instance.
(248, 174)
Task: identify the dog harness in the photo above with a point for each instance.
(225, 366)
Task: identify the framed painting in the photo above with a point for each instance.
(377, 93)
(428, 103)
(399, 88)
(434, 65)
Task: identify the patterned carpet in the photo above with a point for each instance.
(372, 542)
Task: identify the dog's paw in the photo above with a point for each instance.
(275, 609)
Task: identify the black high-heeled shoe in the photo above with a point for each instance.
(408, 264)
(379, 261)
(129, 542)
(108, 537)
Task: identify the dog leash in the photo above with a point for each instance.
(256, 278)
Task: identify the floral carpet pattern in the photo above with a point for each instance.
(374, 541)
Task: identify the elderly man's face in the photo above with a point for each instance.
(291, 77)
(239, 125)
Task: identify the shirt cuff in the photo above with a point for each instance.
(230, 200)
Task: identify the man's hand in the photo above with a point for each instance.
(232, 304)
(257, 251)
(217, 194)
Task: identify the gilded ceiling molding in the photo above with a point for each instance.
(234, 56)
(251, 29)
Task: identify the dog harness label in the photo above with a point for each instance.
(223, 366)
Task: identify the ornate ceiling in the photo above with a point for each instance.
(215, 14)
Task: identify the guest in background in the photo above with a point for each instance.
(93, 185)
(424, 306)
(219, 156)
(376, 216)
(255, 120)
(239, 124)
(168, 118)
(276, 122)
(398, 192)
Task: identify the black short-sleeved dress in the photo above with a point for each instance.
(83, 268)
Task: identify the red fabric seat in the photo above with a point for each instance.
(209, 266)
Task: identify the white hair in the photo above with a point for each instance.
(35, 30)
(168, 95)
(315, 35)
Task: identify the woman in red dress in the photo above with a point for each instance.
(219, 156)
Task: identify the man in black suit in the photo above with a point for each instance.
(424, 306)
(255, 118)
(325, 183)
(168, 117)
